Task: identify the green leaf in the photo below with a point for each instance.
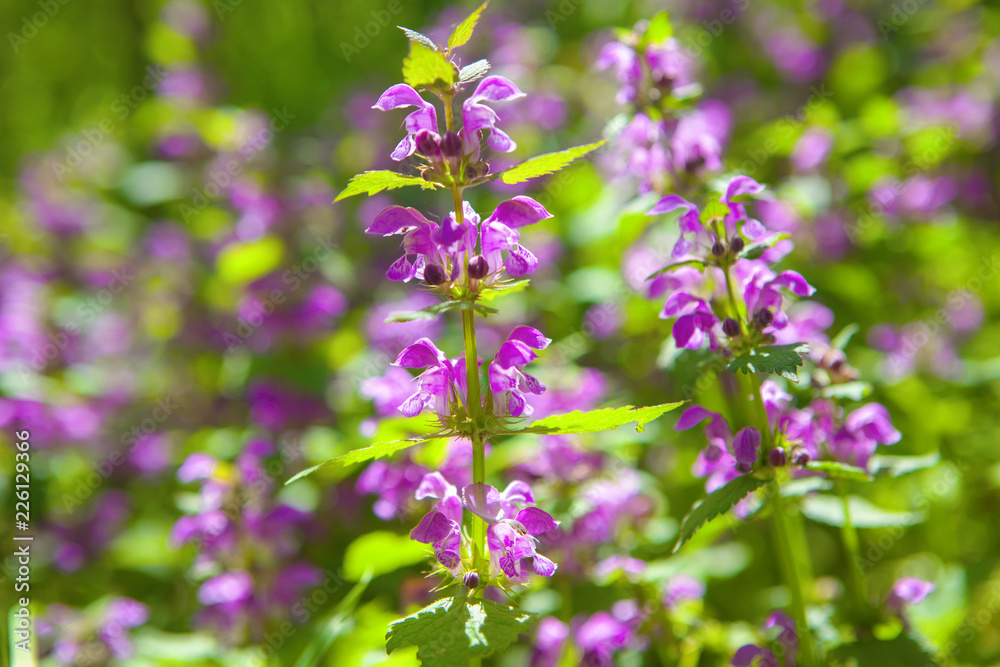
(780, 359)
(700, 263)
(901, 465)
(837, 470)
(370, 182)
(594, 421)
(841, 339)
(899, 652)
(713, 209)
(426, 67)
(804, 485)
(420, 38)
(499, 289)
(548, 163)
(830, 510)
(338, 623)
(432, 311)
(756, 250)
(463, 31)
(376, 451)
(450, 632)
(381, 552)
(855, 391)
(473, 71)
(716, 503)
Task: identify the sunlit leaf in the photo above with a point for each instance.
(830, 510)
(381, 552)
(425, 67)
(780, 359)
(604, 419)
(543, 165)
(463, 31)
(370, 182)
(837, 470)
(450, 632)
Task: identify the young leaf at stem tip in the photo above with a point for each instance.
(425, 67)
(463, 31)
(780, 359)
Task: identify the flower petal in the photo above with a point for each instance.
(482, 500)
(536, 521)
(421, 354)
(518, 212)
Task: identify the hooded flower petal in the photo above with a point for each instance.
(482, 500)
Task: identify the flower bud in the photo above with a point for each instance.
(731, 327)
(470, 173)
(471, 580)
(800, 457)
(763, 318)
(736, 245)
(428, 143)
(777, 457)
(478, 267)
(434, 274)
(744, 467)
(718, 249)
(451, 144)
(746, 444)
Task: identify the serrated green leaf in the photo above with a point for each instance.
(463, 31)
(841, 339)
(376, 451)
(830, 510)
(902, 465)
(381, 552)
(548, 163)
(500, 289)
(425, 67)
(780, 359)
(473, 71)
(855, 391)
(370, 182)
(594, 421)
(899, 652)
(712, 210)
(432, 311)
(700, 263)
(838, 470)
(450, 632)
(419, 38)
(716, 503)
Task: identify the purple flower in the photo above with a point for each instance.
(402, 96)
(477, 117)
(717, 461)
(549, 641)
(746, 445)
(747, 654)
(682, 587)
(697, 138)
(786, 645)
(812, 148)
(437, 387)
(508, 382)
(907, 592)
(512, 532)
(600, 636)
(498, 234)
(695, 320)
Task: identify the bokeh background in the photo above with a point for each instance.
(174, 279)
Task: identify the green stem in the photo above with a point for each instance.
(849, 534)
(789, 564)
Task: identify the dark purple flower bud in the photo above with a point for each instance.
(800, 457)
(470, 173)
(718, 249)
(434, 274)
(744, 467)
(471, 580)
(777, 457)
(478, 267)
(427, 143)
(736, 245)
(763, 318)
(731, 327)
(746, 444)
(451, 144)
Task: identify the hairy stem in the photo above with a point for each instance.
(790, 566)
(849, 534)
